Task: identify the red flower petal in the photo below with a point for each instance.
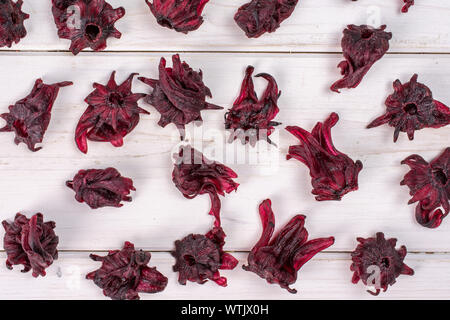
(333, 173)
(124, 273)
(250, 118)
(87, 23)
(377, 262)
(260, 16)
(180, 15)
(362, 46)
(278, 260)
(411, 107)
(31, 243)
(429, 184)
(30, 117)
(113, 112)
(101, 188)
(11, 22)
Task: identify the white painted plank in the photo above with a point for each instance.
(327, 276)
(32, 182)
(314, 26)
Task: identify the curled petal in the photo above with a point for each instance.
(362, 46)
(29, 118)
(31, 243)
(333, 173)
(101, 188)
(278, 260)
(250, 118)
(124, 274)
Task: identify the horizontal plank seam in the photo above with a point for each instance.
(239, 251)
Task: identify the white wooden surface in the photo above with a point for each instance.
(158, 215)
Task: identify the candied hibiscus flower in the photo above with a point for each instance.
(31, 243)
(87, 23)
(333, 173)
(179, 95)
(113, 112)
(101, 188)
(125, 273)
(29, 118)
(194, 174)
(260, 16)
(180, 15)
(429, 184)
(250, 118)
(362, 46)
(377, 263)
(278, 260)
(11, 22)
(200, 257)
(412, 107)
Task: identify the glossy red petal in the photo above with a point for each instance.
(101, 188)
(333, 173)
(278, 260)
(362, 46)
(29, 118)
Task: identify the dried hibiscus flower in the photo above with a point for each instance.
(29, 118)
(377, 263)
(179, 95)
(31, 243)
(250, 118)
(333, 173)
(200, 257)
(194, 174)
(260, 16)
(362, 46)
(411, 107)
(278, 260)
(180, 15)
(125, 273)
(87, 23)
(429, 183)
(101, 188)
(113, 112)
(11, 22)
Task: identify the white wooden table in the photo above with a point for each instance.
(302, 55)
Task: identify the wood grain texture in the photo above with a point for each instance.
(34, 182)
(327, 276)
(315, 26)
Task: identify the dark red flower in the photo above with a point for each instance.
(377, 263)
(87, 23)
(260, 16)
(11, 22)
(31, 243)
(408, 4)
(180, 15)
(411, 107)
(113, 112)
(333, 173)
(179, 95)
(429, 184)
(30, 117)
(200, 257)
(250, 118)
(278, 260)
(362, 46)
(125, 273)
(101, 188)
(194, 174)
